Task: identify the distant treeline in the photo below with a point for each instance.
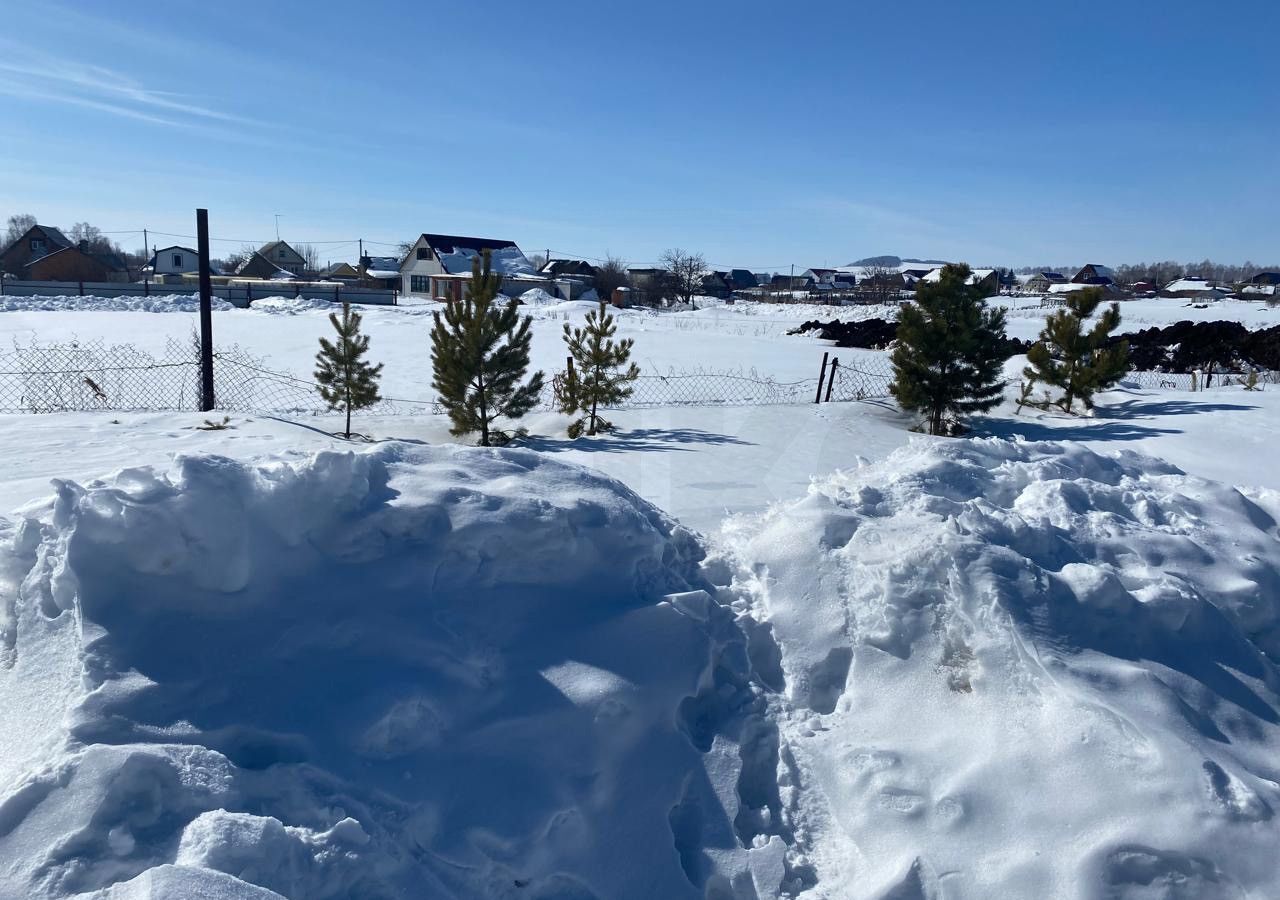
(1160, 273)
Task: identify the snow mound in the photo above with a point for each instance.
(166, 303)
(408, 672)
(538, 297)
(1024, 670)
(290, 306)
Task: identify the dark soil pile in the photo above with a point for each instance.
(877, 334)
(1181, 347)
(1185, 346)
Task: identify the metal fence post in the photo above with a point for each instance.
(831, 379)
(206, 312)
(822, 374)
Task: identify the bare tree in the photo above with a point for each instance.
(310, 256)
(237, 258)
(880, 283)
(539, 260)
(93, 237)
(611, 275)
(686, 270)
(18, 225)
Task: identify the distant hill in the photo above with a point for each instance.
(897, 261)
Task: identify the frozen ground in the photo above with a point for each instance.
(937, 669)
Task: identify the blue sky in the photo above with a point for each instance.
(759, 134)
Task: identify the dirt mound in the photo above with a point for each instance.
(1185, 346)
(876, 334)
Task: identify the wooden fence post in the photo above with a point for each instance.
(822, 374)
(831, 379)
(82, 289)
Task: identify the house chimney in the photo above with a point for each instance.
(84, 246)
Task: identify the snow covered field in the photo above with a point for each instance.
(880, 665)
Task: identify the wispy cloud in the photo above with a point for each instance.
(25, 73)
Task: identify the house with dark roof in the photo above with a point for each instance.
(1271, 278)
(35, 242)
(258, 266)
(716, 284)
(342, 271)
(282, 256)
(439, 265)
(741, 280)
(1094, 274)
(568, 268)
(380, 272)
(78, 263)
(1040, 281)
(174, 261)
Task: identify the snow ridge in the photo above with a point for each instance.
(1025, 670)
(406, 672)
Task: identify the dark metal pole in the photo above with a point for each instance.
(831, 378)
(206, 312)
(822, 375)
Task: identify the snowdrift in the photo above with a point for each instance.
(1023, 670)
(409, 672)
(185, 303)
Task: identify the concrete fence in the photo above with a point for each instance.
(238, 293)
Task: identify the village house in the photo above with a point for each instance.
(174, 261)
(259, 266)
(439, 266)
(741, 280)
(1194, 288)
(380, 272)
(716, 284)
(35, 242)
(986, 279)
(341, 271)
(1094, 274)
(282, 256)
(1040, 281)
(568, 268)
(78, 263)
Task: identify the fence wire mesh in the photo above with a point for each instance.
(93, 375)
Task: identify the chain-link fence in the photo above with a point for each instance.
(94, 375)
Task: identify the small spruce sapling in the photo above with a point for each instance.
(479, 357)
(344, 379)
(950, 354)
(1079, 363)
(604, 372)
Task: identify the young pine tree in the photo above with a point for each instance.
(1076, 361)
(479, 356)
(601, 379)
(344, 379)
(949, 358)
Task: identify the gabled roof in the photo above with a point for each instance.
(267, 249)
(557, 267)
(111, 261)
(455, 254)
(55, 238)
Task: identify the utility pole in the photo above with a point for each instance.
(277, 226)
(146, 251)
(206, 311)
(361, 250)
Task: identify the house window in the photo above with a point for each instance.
(37, 243)
(419, 284)
(281, 252)
(177, 260)
(424, 253)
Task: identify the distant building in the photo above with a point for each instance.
(259, 266)
(1270, 278)
(568, 268)
(1094, 274)
(741, 280)
(174, 261)
(380, 272)
(986, 279)
(1194, 288)
(35, 242)
(77, 263)
(1040, 281)
(341, 271)
(439, 266)
(716, 284)
(282, 256)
